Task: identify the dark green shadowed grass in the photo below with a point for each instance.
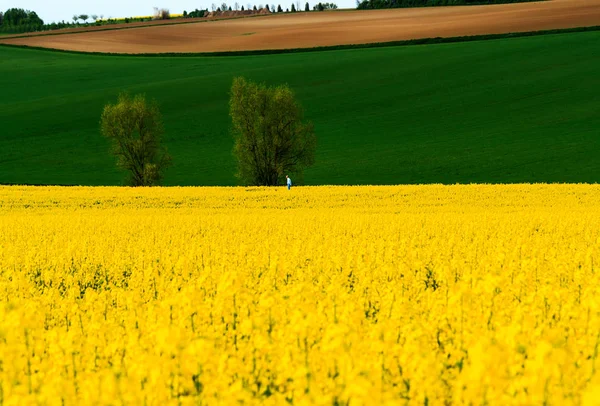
(510, 110)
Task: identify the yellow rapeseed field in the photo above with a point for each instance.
(474, 294)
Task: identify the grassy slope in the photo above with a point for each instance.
(516, 110)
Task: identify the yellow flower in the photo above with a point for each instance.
(464, 294)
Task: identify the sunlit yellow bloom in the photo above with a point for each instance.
(318, 295)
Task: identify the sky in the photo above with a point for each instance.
(58, 10)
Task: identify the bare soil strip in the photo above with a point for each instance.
(307, 30)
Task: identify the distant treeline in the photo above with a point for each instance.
(22, 28)
(377, 4)
(17, 20)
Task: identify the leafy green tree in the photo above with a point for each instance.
(307, 7)
(271, 137)
(34, 18)
(1, 17)
(197, 13)
(84, 17)
(18, 16)
(134, 127)
(279, 9)
(293, 8)
(324, 6)
(15, 16)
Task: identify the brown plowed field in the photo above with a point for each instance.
(304, 30)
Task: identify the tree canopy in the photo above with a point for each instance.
(134, 126)
(271, 138)
(325, 6)
(18, 16)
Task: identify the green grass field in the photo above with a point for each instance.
(511, 110)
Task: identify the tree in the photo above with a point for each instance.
(134, 127)
(279, 10)
(19, 17)
(271, 139)
(254, 7)
(75, 19)
(325, 6)
(94, 17)
(307, 7)
(242, 8)
(293, 8)
(15, 16)
(197, 13)
(237, 6)
(1, 17)
(185, 14)
(84, 17)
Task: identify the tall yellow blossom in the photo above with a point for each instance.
(319, 295)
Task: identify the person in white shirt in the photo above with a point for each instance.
(289, 182)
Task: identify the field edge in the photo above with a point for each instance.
(257, 52)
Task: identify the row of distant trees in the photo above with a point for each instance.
(236, 6)
(194, 14)
(272, 139)
(159, 14)
(16, 20)
(85, 17)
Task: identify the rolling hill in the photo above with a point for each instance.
(510, 110)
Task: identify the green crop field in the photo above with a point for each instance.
(511, 110)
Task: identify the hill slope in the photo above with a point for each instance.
(517, 110)
(307, 30)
